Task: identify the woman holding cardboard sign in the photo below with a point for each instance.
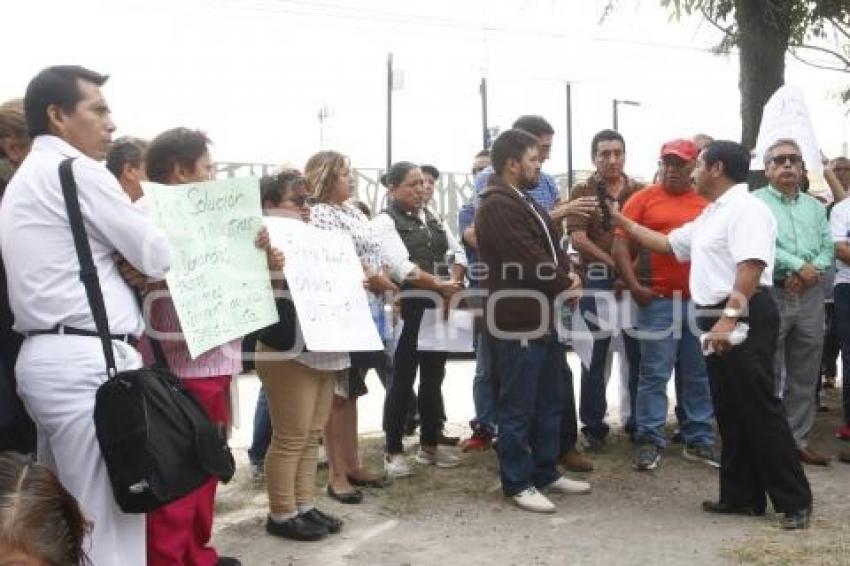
(299, 390)
(180, 532)
(330, 179)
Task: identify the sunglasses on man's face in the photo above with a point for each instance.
(792, 158)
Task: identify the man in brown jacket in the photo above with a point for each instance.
(527, 275)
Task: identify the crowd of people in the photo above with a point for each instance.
(743, 298)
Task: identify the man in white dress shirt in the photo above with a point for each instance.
(61, 364)
(731, 247)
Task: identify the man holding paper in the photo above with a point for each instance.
(731, 247)
(416, 245)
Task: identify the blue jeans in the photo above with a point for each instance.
(262, 430)
(531, 389)
(483, 389)
(659, 353)
(593, 404)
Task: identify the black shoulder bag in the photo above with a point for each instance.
(156, 439)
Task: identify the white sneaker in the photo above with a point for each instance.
(565, 485)
(437, 458)
(532, 500)
(396, 467)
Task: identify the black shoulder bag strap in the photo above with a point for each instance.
(156, 347)
(88, 271)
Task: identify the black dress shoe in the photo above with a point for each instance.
(296, 528)
(228, 561)
(350, 498)
(798, 519)
(447, 440)
(332, 524)
(730, 509)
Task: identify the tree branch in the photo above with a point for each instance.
(844, 60)
(727, 31)
(839, 27)
(816, 65)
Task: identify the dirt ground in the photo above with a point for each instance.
(459, 516)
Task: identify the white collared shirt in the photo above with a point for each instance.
(839, 225)
(42, 269)
(736, 227)
(394, 252)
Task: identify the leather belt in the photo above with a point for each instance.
(62, 329)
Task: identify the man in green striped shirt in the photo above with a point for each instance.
(804, 250)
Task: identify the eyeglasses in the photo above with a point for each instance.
(792, 158)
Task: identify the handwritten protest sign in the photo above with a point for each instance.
(787, 116)
(325, 279)
(219, 280)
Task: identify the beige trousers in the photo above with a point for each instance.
(299, 405)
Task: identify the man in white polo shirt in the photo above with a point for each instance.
(731, 247)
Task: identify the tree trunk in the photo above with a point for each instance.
(764, 31)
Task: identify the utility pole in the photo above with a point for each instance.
(485, 131)
(323, 114)
(570, 172)
(389, 110)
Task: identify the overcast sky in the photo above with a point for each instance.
(254, 73)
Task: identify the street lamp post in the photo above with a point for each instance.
(616, 102)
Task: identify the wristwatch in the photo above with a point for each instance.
(730, 312)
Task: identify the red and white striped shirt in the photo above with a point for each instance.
(221, 360)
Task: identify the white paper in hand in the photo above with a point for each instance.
(436, 334)
(736, 337)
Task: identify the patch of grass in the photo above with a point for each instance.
(826, 544)
(476, 477)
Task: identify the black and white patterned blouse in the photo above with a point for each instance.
(348, 219)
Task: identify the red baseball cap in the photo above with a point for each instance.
(685, 149)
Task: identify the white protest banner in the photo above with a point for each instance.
(787, 116)
(436, 334)
(325, 279)
(219, 280)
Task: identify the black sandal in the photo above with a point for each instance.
(376, 483)
(350, 498)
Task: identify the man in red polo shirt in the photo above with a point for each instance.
(659, 285)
